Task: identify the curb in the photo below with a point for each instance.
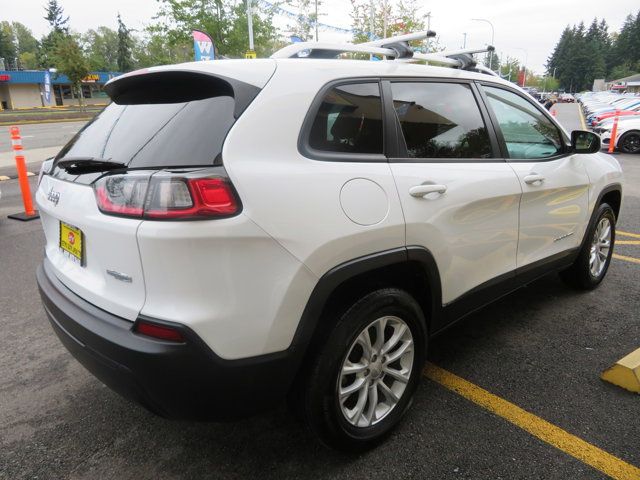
(4, 178)
(57, 120)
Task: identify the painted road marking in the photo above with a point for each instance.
(536, 426)
(584, 125)
(5, 177)
(626, 258)
(627, 242)
(627, 234)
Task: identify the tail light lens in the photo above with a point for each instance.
(166, 196)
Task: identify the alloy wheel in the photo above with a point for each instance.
(600, 246)
(376, 371)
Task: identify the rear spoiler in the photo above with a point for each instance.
(178, 86)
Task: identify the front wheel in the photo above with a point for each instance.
(363, 380)
(630, 142)
(593, 261)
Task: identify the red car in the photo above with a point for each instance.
(621, 113)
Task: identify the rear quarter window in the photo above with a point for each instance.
(349, 121)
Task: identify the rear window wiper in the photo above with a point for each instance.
(80, 165)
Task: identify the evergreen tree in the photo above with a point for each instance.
(59, 31)
(55, 17)
(125, 62)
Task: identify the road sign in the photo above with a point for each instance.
(250, 54)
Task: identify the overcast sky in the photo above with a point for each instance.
(524, 30)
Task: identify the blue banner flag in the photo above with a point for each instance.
(203, 46)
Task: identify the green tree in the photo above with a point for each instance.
(155, 49)
(224, 20)
(71, 61)
(7, 45)
(304, 26)
(403, 17)
(495, 60)
(55, 17)
(101, 49)
(509, 68)
(26, 46)
(125, 61)
(59, 31)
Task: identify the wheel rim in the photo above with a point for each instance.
(631, 143)
(375, 373)
(600, 246)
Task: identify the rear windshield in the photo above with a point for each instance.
(156, 135)
(163, 119)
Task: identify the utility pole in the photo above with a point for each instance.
(371, 35)
(426, 48)
(384, 18)
(316, 20)
(250, 23)
(464, 41)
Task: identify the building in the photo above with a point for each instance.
(31, 88)
(627, 84)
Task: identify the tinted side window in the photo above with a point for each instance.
(527, 132)
(349, 120)
(440, 120)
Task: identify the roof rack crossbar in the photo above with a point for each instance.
(421, 35)
(293, 50)
(394, 48)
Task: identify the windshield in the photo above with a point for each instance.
(156, 135)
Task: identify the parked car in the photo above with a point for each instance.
(228, 234)
(627, 136)
(566, 98)
(635, 110)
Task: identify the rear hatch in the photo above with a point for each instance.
(168, 119)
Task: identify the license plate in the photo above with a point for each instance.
(72, 241)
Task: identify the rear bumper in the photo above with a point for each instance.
(182, 381)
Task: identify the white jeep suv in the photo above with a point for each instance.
(228, 234)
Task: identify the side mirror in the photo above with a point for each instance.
(584, 142)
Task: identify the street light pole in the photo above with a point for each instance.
(428, 15)
(492, 37)
(250, 22)
(316, 20)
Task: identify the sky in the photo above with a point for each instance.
(527, 31)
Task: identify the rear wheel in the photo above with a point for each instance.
(362, 382)
(630, 142)
(592, 263)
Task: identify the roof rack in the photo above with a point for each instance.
(393, 48)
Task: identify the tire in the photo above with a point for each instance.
(323, 411)
(591, 266)
(630, 142)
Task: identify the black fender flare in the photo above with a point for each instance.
(339, 274)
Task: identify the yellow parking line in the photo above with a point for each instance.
(627, 242)
(627, 234)
(584, 125)
(536, 426)
(626, 259)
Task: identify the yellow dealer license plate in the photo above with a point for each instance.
(72, 241)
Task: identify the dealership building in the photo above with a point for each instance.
(40, 88)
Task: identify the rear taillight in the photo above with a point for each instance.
(166, 196)
(160, 332)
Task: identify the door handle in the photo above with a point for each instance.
(420, 191)
(533, 178)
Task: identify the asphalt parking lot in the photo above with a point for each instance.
(541, 349)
